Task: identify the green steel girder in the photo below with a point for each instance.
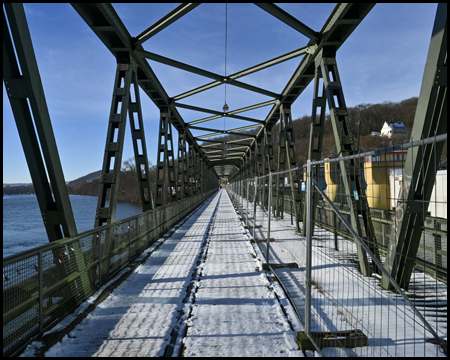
(420, 168)
(191, 171)
(219, 114)
(233, 112)
(228, 161)
(183, 167)
(140, 152)
(226, 150)
(289, 20)
(316, 134)
(26, 95)
(350, 170)
(286, 161)
(106, 24)
(165, 161)
(20, 89)
(112, 157)
(230, 131)
(231, 78)
(340, 24)
(239, 146)
(104, 21)
(165, 21)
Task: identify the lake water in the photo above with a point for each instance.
(23, 227)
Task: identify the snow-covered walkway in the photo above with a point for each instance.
(200, 294)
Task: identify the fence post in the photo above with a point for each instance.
(308, 249)
(41, 294)
(242, 198)
(246, 213)
(335, 231)
(129, 241)
(99, 260)
(254, 208)
(268, 220)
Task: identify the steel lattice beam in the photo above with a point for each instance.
(420, 169)
(20, 89)
(165, 21)
(289, 20)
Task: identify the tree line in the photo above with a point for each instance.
(362, 120)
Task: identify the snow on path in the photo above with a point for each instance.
(235, 312)
(138, 317)
(352, 301)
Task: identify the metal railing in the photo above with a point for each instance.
(43, 285)
(344, 312)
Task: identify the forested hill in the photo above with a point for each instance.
(363, 119)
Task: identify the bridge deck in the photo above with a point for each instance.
(200, 294)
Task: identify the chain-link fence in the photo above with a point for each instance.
(41, 286)
(342, 272)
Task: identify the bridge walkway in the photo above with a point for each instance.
(200, 294)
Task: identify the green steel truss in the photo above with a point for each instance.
(203, 159)
(126, 74)
(166, 162)
(420, 169)
(183, 167)
(26, 96)
(286, 161)
(350, 170)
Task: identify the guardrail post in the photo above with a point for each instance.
(129, 241)
(268, 220)
(254, 207)
(99, 260)
(308, 248)
(41, 294)
(242, 197)
(246, 213)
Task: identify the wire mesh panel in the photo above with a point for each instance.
(352, 314)
(20, 301)
(41, 286)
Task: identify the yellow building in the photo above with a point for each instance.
(376, 171)
(335, 188)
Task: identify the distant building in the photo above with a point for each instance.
(375, 133)
(393, 128)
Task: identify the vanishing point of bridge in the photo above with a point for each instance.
(74, 266)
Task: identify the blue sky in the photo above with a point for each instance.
(383, 60)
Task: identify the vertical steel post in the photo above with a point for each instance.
(138, 138)
(254, 207)
(27, 98)
(308, 248)
(242, 197)
(268, 219)
(420, 168)
(114, 146)
(317, 130)
(99, 260)
(247, 212)
(41, 293)
(167, 164)
(350, 170)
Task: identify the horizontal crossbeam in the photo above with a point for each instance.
(288, 19)
(165, 21)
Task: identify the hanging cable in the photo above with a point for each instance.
(226, 44)
(225, 106)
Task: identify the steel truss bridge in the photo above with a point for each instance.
(203, 160)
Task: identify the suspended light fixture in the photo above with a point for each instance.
(225, 106)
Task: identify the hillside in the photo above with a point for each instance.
(89, 177)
